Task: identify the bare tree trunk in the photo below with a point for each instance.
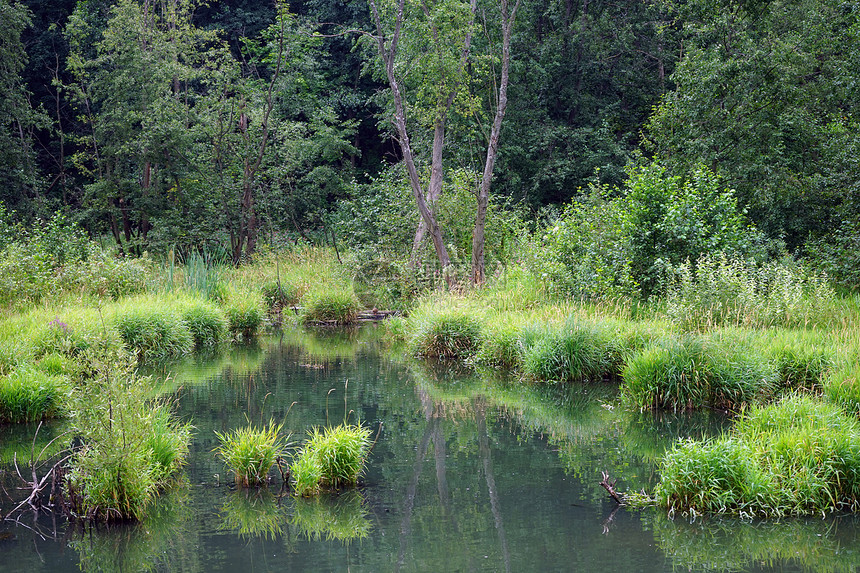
(388, 54)
(434, 189)
(478, 270)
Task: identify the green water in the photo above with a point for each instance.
(470, 472)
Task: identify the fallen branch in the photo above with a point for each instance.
(610, 487)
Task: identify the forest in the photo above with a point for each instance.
(223, 126)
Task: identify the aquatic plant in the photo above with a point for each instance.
(251, 452)
(446, 332)
(330, 458)
(244, 315)
(795, 457)
(692, 372)
(330, 306)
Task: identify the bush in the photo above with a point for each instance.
(340, 307)
(694, 372)
(334, 456)
(251, 452)
(28, 395)
(445, 333)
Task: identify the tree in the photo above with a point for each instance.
(438, 40)
(18, 119)
(766, 94)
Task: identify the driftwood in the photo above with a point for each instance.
(610, 487)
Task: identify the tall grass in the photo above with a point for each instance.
(330, 458)
(444, 332)
(28, 395)
(796, 457)
(694, 372)
(719, 291)
(154, 330)
(337, 306)
(206, 322)
(574, 353)
(244, 315)
(251, 452)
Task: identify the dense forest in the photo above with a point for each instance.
(617, 136)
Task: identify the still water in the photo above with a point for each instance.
(469, 473)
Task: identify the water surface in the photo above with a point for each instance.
(470, 472)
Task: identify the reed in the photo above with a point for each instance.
(251, 452)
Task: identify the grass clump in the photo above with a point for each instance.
(132, 448)
(278, 294)
(244, 316)
(206, 322)
(251, 452)
(330, 459)
(693, 372)
(329, 306)
(28, 395)
(154, 330)
(576, 352)
(796, 457)
(842, 388)
(444, 333)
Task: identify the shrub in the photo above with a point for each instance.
(693, 372)
(28, 395)
(206, 322)
(244, 316)
(336, 455)
(445, 333)
(154, 330)
(251, 452)
(335, 306)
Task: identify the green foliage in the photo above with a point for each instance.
(206, 322)
(719, 291)
(574, 353)
(605, 246)
(842, 388)
(342, 517)
(132, 447)
(335, 456)
(244, 315)
(796, 457)
(694, 372)
(337, 306)
(28, 395)
(153, 330)
(444, 332)
(279, 294)
(802, 361)
(251, 452)
(203, 276)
